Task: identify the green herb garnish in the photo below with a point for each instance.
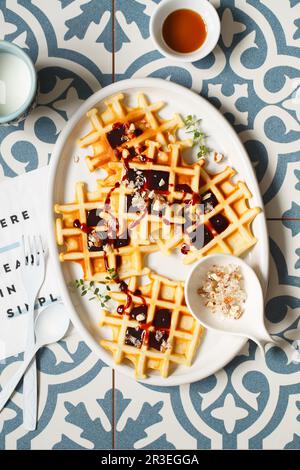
(93, 291)
(192, 124)
(112, 276)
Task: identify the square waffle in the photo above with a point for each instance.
(225, 225)
(219, 220)
(157, 332)
(109, 128)
(127, 255)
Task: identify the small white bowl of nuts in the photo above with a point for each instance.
(224, 293)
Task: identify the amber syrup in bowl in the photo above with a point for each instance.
(184, 30)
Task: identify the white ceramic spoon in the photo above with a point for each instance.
(51, 325)
(251, 323)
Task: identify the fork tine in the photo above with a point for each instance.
(38, 250)
(41, 250)
(34, 255)
(44, 246)
(27, 250)
(33, 250)
(23, 250)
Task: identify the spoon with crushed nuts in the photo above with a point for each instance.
(224, 293)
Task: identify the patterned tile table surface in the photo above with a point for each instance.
(253, 78)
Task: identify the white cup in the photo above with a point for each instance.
(18, 84)
(204, 9)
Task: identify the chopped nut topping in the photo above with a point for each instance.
(206, 196)
(156, 205)
(94, 239)
(158, 335)
(125, 153)
(129, 184)
(218, 157)
(222, 291)
(138, 182)
(165, 345)
(208, 208)
(134, 341)
(140, 317)
(159, 202)
(161, 183)
(171, 137)
(138, 201)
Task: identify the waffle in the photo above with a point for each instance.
(199, 227)
(230, 205)
(167, 167)
(144, 117)
(128, 259)
(144, 230)
(140, 344)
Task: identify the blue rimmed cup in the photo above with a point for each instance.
(9, 115)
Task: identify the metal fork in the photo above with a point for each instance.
(32, 275)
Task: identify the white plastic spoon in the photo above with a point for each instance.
(51, 325)
(251, 323)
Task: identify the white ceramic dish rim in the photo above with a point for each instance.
(93, 100)
(206, 9)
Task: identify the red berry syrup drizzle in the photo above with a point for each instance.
(123, 309)
(83, 227)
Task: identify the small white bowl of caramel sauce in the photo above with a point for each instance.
(185, 31)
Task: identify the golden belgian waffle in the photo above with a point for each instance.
(128, 260)
(168, 164)
(130, 340)
(173, 169)
(144, 116)
(230, 200)
(233, 204)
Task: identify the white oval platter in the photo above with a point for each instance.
(216, 349)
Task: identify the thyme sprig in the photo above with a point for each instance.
(112, 276)
(193, 126)
(89, 287)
